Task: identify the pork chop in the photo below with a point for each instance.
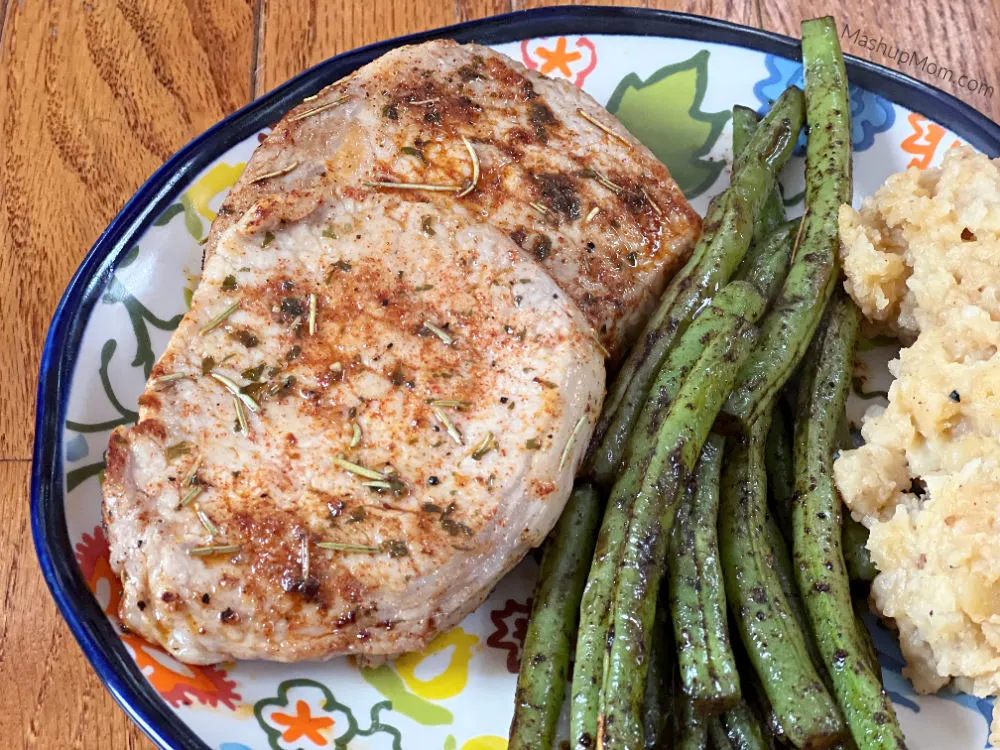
(374, 407)
(556, 172)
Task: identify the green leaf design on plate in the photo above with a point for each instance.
(140, 316)
(79, 476)
(390, 684)
(315, 728)
(664, 112)
(192, 221)
(450, 743)
(168, 213)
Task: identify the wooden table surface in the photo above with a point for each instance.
(95, 95)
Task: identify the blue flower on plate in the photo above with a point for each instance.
(870, 113)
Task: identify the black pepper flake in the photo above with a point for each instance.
(954, 396)
(227, 615)
(141, 605)
(205, 598)
(433, 480)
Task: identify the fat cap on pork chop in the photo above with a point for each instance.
(413, 396)
(558, 173)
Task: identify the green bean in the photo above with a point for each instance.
(788, 329)
(819, 561)
(718, 323)
(780, 470)
(854, 538)
(697, 596)
(726, 235)
(679, 437)
(745, 123)
(690, 728)
(766, 262)
(738, 729)
(657, 708)
(541, 684)
(774, 641)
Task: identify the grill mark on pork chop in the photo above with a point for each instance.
(522, 126)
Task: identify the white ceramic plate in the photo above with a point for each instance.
(672, 79)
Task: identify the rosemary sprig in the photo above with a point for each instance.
(358, 469)
(603, 180)
(475, 169)
(600, 346)
(426, 101)
(312, 314)
(191, 472)
(542, 209)
(569, 443)
(378, 484)
(214, 322)
(235, 390)
(319, 108)
(241, 417)
(211, 528)
(356, 437)
(157, 383)
(217, 549)
(652, 203)
(601, 126)
(450, 403)
(338, 547)
(412, 186)
(484, 447)
(439, 332)
(591, 214)
(191, 495)
(276, 173)
(449, 426)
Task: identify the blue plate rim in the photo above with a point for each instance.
(86, 620)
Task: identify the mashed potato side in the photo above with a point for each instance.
(922, 259)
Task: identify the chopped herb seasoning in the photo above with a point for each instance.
(449, 426)
(220, 317)
(165, 380)
(440, 333)
(329, 234)
(543, 247)
(601, 126)
(633, 259)
(292, 307)
(396, 548)
(474, 180)
(427, 225)
(357, 515)
(276, 173)
(413, 151)
(454, 528)
(423, 288)
(229, 283)
(191, 495)
(356, 436)
(533, 445)
(293, 354)
(357, 469)
(177, 450)
(316, 110)
(268, 239)
(391, 484)
(247, 338)
(338, 547)
(546, 383)
(485, 446)
(390, 112)
(253, 373)
(208, 364)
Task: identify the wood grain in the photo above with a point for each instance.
(94, 95)
(961, 37)
(49, 696)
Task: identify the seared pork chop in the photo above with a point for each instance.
(557, 172)
(374, 407)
